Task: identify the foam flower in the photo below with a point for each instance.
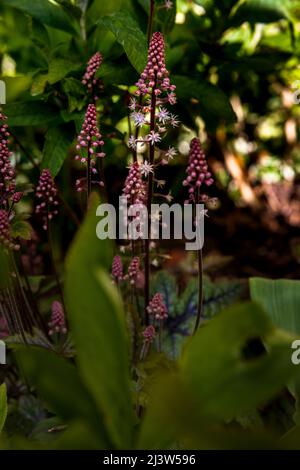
(57, 324)
(117, 269)
(5, 232)
(134, 188)
(157, 307)
(46, 192)
(149, 334)
(155, 74)
(197, 170)
(7, 173)
(89, 145)
(93, 65)
(133, 269)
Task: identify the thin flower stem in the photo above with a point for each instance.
(149, 202)
(31, 317)
(160, 336)
(54, 266)
(150, 20)
(200, 290)
(89, 179)
(200, 276)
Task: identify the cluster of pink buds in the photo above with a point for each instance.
(155, 75)
(133, 269)
(117, 269)
(57, 324)
(197, 170)
(7, 173)
(89, 144)
(154, 90)
(135, 188)
(5, 235)
(93, 65)
(46, 191)
(149, 334)
(157, 308)
(16, 197)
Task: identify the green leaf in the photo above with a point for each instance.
(280, 299)
(183, 308)
(30, 113)
(222, 375)
(260, 11)
(230, 382)
(98, 326)
(214, 106)
(21, 228)
(3, 405)
(129, 35)
(57, 143)
(60, 386)
(46, 12)
(59, 68)
(75, 92)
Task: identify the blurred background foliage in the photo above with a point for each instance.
(236, 67)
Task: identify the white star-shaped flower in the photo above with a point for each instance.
(168, 4)
(132, 142)
(139, 118)
(170, 153)
(132, 104)
(146, 168)
(172, 98)
(174, 120)
(163, 115)
(153, 137)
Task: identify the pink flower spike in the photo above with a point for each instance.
(197, 170)
(57, 324)
(93, 65)
(46, 192)
(5, 236)
(117, 269)
(135, 188)
(155, 73)
(149, 334)
(157, 307)
(133, 269)
(7, 172)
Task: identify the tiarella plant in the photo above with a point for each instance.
(137, 343)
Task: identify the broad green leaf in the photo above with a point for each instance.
(3, 405)
(59, 68)
(218, 374)
(280, 299)
(46, 12)
(58, 383)
(182, 308)
(98, 326)
(57, 143)
(214, 106)
(30, 113)
(75, 92)
(129, 35)
(261, 11)
(217, 380)
(15, 86)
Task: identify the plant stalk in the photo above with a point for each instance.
(149, 202)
